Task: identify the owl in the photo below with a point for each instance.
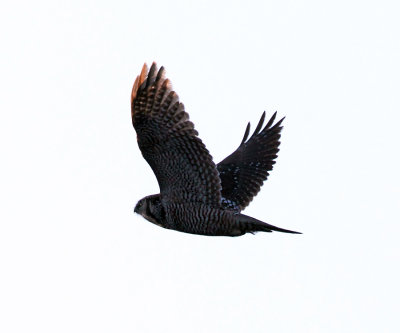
(196, 195)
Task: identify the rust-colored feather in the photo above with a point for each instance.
(138, 82)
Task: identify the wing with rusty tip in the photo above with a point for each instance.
(168, 141)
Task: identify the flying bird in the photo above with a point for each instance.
(196, 196)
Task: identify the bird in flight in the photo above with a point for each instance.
(196, 196)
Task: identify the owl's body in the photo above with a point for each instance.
(197, 218)
(197, 196)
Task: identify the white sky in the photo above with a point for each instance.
(74, 257)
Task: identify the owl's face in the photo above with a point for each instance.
(148, 208)
(141, 206)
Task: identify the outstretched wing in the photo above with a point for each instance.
(244, 171)
(169, 143)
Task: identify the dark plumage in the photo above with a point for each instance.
(197, 196)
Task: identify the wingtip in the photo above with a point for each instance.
(259, 125)
(278, 124)
(139, 80)
(151, 74)
(167, 84)
(246, 134)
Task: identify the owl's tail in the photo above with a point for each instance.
(252, 225)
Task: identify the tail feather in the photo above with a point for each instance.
(252, 225)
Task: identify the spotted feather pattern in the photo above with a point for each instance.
(168, 141)
(244, 171)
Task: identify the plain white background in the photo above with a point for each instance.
(75, 258)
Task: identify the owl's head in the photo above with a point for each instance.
(151, 209)
(141, 206)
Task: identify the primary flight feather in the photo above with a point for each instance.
(196, 196)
